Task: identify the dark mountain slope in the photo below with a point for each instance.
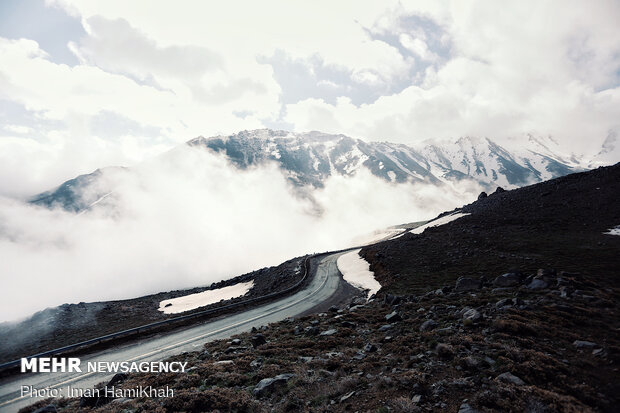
(558, 223)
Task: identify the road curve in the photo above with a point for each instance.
(322, 286)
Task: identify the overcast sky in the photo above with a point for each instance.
(85, 84)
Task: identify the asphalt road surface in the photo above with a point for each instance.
(322, 286)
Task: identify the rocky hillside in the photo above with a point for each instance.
(513, 308)
(308, 159)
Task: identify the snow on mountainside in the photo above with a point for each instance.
(308, 159)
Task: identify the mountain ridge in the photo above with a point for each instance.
(309, 159)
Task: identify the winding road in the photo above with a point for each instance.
(321, 287)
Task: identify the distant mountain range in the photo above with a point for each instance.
(308, 159)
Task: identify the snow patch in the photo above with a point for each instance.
(439, 221)
(192, 301)
(613, 231)
(356, 271)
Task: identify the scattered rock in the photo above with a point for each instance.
(385, 327)
(370, 348)
(444, 350)
(256, 363)
(510, 378)
(537, 284)
(584, 344)
(269, 385)
(428, 325)
(117, 379)
(393, 317)
(466, 408)
(329, 332)
(348, 324)
(470, 363)
(346, 397)
(235, 342)
(471, 315)
(258, 340)
(224, 363)
(510, 279)
(358, 301)
(311, 331)
(467, 284)
(390, 299)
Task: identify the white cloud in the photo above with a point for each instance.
(423, 70)
(417, 46)
(189, 219)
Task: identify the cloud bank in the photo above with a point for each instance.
(139, 83)
(187, 220)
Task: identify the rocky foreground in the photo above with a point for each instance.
(511, 308)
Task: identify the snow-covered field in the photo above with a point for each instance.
(614, 231)
(192, 301)
(356, 271)
(438, 222)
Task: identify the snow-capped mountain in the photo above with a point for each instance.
(308, 159)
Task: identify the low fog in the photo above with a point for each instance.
(188, 219)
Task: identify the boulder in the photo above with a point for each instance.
(117, 379)
(370, 348)
(329, 332)
(510, 279)
(258, 340)
(466, 408)
(537, 283)
(467, 284)
(224, 363)
(392, 317)
(470, 363)
(482, 195)
(236, 342)
(444, 350)
(428, 325)
(385, 327)
(499, 190)
(269, 385)
(390, 299)
(584, 344)
(471, 315)
(510, 378)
